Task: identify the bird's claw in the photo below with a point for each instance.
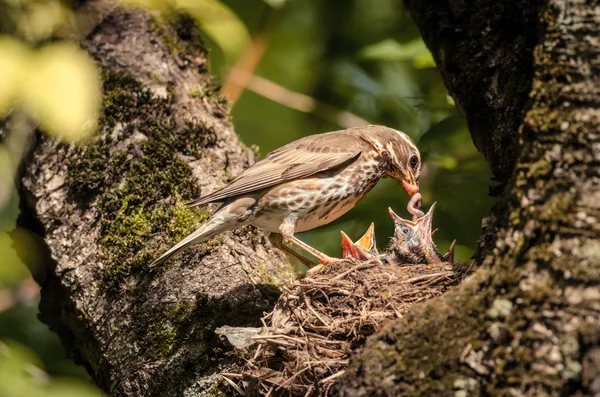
(326, 259)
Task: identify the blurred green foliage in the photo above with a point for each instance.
(360, 56)
(55, 85)
(366, 57)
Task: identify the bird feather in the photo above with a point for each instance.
(299, 159)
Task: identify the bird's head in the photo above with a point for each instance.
(400, 158)
(413, 240)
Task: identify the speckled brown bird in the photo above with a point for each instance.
(309, 183)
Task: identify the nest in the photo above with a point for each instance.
(307, 340)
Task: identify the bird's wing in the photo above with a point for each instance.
(298, 159)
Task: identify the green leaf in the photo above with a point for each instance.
(63, 91)
(42, 19)
(214, 19)
(276, 3)
(391, 50)
(13, 271)
(21, 375)
(13, 55)
(220, 23)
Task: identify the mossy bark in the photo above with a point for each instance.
(106, 209)
(527, 322)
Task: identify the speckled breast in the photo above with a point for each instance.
(319, 200)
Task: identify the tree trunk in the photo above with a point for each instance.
(104, 211)
(527, 323)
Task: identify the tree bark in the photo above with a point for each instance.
(527, 322)
(104, 211)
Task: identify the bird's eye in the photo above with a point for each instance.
(414, 160)
(385, 261)
(404, 230)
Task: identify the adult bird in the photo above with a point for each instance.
(309, 183)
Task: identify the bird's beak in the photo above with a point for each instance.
(398, 219)
(367, 241)
(449, 256)
(411, 186)
(426, 222)
(354, 250)
(348, 247)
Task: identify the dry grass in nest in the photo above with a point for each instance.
(306, 341)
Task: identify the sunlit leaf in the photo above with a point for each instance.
(449, 162)
(41, 20)
(6, 178)
(160, 5)
(391, 50)
(63, 91)
(13, 270)
(220, 23)
(13, 55)
(276, 3)
(22, 375)
(424, 61)
(15, 359)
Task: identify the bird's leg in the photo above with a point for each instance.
(277, 241)
(323, 258)
(287, 229)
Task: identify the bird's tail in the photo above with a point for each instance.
(203, 233)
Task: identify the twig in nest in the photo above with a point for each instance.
(233, 384)
(307, 341)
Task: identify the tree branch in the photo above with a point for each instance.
(106, 210)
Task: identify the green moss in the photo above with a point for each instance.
(215, 391)
(539, 169)
(162, 338)
(515, 217)
(140, 190)
(271, 286)
(163, 335)
(179, 313)
(87, 174)
(185, 219)
(159, 26)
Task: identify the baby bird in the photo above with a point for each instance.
(413, 240)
